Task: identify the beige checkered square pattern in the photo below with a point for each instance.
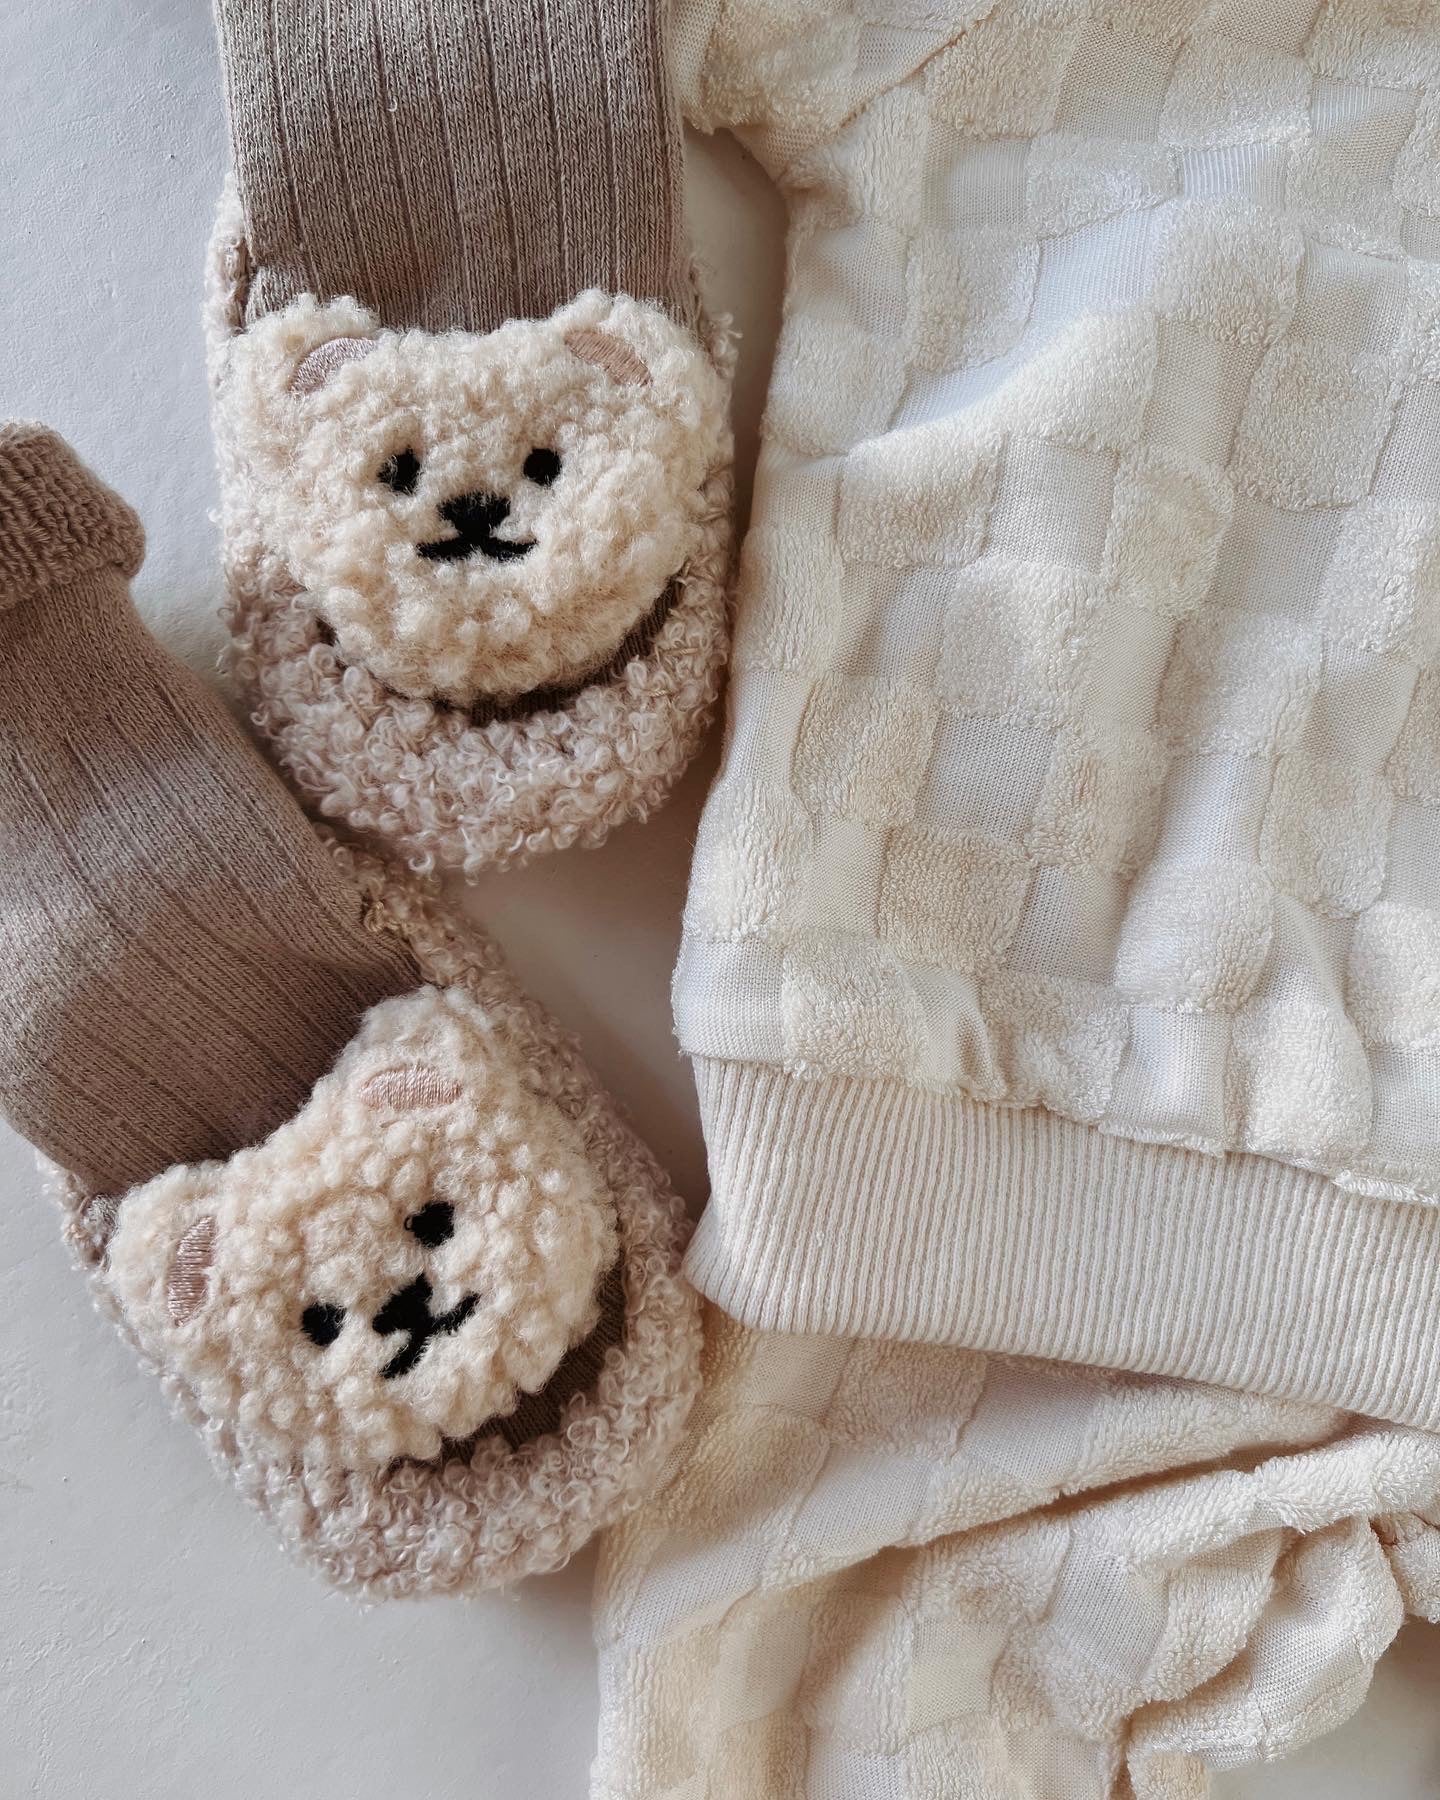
(891, 1571)
(1088, 675)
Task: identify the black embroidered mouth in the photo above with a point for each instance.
(475, 517)
(408, 1310)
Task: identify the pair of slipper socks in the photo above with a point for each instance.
(434, 1326)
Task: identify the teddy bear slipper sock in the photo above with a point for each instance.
(354, 1197)
(471, 419)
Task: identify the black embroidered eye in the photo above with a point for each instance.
(321, 1322)
(401, 472)
(542, 466)
(433, 1223)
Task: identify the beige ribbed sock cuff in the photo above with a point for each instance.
(453, 163)
(179, 958)
(57, 521)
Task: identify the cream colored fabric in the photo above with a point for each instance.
(1084, 748)
(872, 1207)
(553, 483)
(442, 1220)
(894, 1572)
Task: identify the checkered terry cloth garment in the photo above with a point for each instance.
(1062, 959)
(908, 1572)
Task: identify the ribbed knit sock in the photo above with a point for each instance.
(180, 960)
(462, 168)
(453, 163)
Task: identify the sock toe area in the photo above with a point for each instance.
(58, 521)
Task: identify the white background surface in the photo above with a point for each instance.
(154, 1644)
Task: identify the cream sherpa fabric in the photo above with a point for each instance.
(478, 515)
(393, 1267)
(524, 1493)
(496, 782)
(928, 1574)
(1061, 953)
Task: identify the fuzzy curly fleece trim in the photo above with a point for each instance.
(483, 1514)
(219, 1266)
(440, 784)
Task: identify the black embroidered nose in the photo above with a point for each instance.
(475, 518)
(433, 1224)
(408, 1310)
(322, 1322)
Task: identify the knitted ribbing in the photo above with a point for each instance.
(57, 521)
(179, 960)
(1075, 843)
(453, 163)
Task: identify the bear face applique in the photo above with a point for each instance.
(393, 1268)
(471, 515)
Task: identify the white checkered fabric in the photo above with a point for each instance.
(904, 1572)
(1084, 745)
(1088, 678)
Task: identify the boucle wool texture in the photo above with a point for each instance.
(434, 1323)
(423, 1111)
(1062, 934)
(524, 1494)
(498, 656)
(619, 414)
(178, 960)
(930, 1574)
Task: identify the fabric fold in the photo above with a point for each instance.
(933, 1574)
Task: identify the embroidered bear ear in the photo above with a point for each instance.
(317, 366)
(413, 1087)
(648, 361)
(161, 1254)
(606, 351)
(187, 1282)
(275, 371)
(297, 351)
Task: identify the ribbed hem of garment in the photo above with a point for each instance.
(873, 1209)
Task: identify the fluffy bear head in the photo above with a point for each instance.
(478, 515)
(421, 1244)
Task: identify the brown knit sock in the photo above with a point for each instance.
(179, 958)
(487, 617)
(454, 163)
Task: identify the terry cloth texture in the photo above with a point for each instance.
(924, 1573)
(179, 960)
(452, 164)
(1063, 956)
